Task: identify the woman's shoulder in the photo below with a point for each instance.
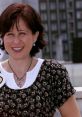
(56, 68)
(54, 64)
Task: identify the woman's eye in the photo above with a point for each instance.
(10, 34)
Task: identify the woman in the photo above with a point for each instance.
(30, 86)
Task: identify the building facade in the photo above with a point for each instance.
(62, 20)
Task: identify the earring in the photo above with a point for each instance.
(1, 41)
(34, 44)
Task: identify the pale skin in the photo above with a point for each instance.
(18, 44)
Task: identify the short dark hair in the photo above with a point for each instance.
(32, 19)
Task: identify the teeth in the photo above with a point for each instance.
(17, 49)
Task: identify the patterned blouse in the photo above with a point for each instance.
(50, 91)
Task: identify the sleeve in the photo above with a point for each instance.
(62, 88)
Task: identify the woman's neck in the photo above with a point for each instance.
(20, 64)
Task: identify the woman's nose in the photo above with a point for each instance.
(16, 40)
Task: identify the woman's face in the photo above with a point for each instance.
(18, 43)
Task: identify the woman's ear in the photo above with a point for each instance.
(36, 36)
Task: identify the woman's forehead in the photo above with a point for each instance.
(19, 24)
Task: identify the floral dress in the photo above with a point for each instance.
(50, 91)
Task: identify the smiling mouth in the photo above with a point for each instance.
(17, 49)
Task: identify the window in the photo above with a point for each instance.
(71, 26)
(54, 37)
(70, 15)
(65, 45)
(43, 6)
(53, 26)
(63, 26)
(80, 34)
(78, 4)
(54, 54)
(52, 5)
(70, 4)
(46, 27)
(53, 16)
(62, 5)
(44, 16)
(63, 15)
(79, 25)
(79, 14)
(64, 36)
